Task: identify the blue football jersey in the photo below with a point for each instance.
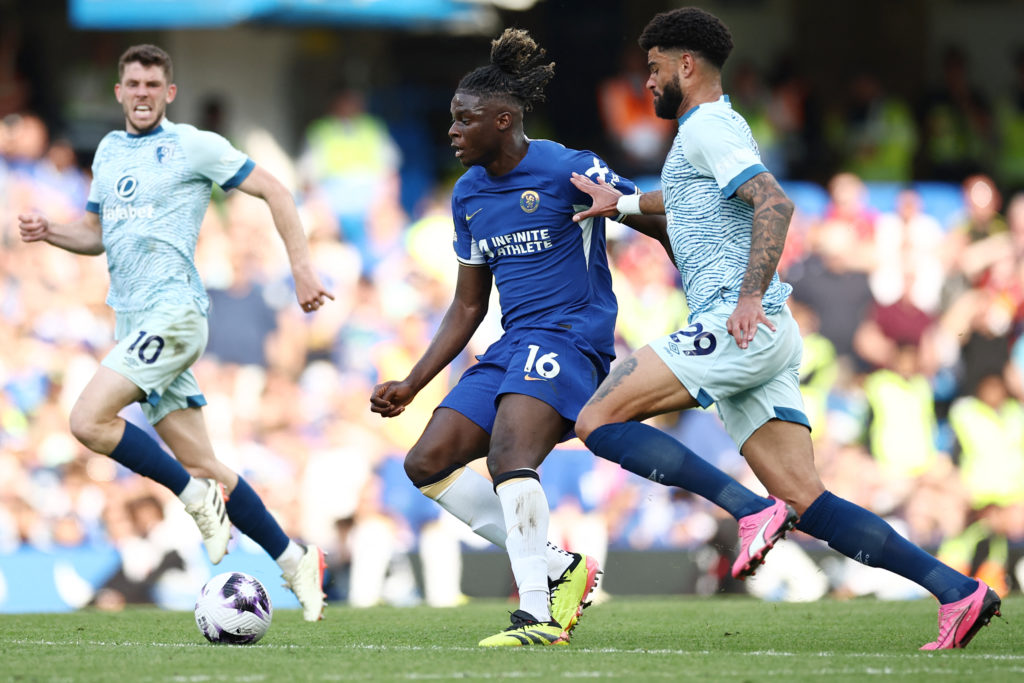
(550, 272)
(151, 192)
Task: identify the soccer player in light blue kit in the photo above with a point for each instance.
(513, 213)
(150, 190)
(727, 223)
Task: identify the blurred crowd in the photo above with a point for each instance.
(913, 365)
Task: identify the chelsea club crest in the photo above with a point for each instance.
(529, 201)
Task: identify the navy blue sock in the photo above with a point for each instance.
(653, 454)
(140, 453)
(868, 539)
(247, 512)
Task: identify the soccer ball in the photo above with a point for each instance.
(233, 608)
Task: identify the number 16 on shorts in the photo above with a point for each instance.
(545, 365)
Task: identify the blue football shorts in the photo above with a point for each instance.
(748, 386)
(155, 350)
(557, 368)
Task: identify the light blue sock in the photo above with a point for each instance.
(652, 454)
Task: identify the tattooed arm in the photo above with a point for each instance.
(772, 212)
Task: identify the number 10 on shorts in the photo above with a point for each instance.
(546, 366)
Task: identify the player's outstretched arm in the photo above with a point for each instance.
(84, 236)
(605, 204)
(464, 315)
(772, 213)
(308, 289)
(606, 199)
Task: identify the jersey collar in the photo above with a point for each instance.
(158, 129)
(689, 113)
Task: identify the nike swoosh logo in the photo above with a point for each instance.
(469, 216)
(759, 540)
(534, 379)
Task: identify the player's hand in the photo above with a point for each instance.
(310, 292)
(33, 227)
(604, 195)
(390, 398)
(743, 322)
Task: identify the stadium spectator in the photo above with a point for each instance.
(831, 282)
(875, 136)
(956, 123)
(349, 159)
(1009, 121)
(910, 252)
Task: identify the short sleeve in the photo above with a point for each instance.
(717, 146)
(212, 156)
(92, 203)
(594, 167)
(466, 249)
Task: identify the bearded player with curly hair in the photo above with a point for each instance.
(727, 224)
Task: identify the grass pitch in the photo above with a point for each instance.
(671, 638)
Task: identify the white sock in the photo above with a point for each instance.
(194, 491)
(289, 560)
(526, 521)
(471, 499)
(558, 560)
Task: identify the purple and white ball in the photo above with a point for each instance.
(233, 608)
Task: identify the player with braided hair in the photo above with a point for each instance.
(513, 214)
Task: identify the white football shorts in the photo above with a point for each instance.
(155, 350)
(748, 386)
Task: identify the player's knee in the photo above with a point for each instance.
(589, 419)
(501, 460)
(423, 462)
(86, 428)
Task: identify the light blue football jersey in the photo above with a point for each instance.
(151, 192)
(709, 227)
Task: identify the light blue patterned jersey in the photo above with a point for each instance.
(712, 155)
(151, 192)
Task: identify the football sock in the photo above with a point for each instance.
(653, 454)
(868, 539)
(193, 491)
(248, 513)
(470, 498)
(289, 560)
(140, 453)
(526, 520)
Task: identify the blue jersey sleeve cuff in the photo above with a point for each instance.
(239, 177)
(745, 175)
(93, 207)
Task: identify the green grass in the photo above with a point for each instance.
(671, 638)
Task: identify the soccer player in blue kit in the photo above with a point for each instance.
(727, 223)
(513, 213)
(150, 190)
